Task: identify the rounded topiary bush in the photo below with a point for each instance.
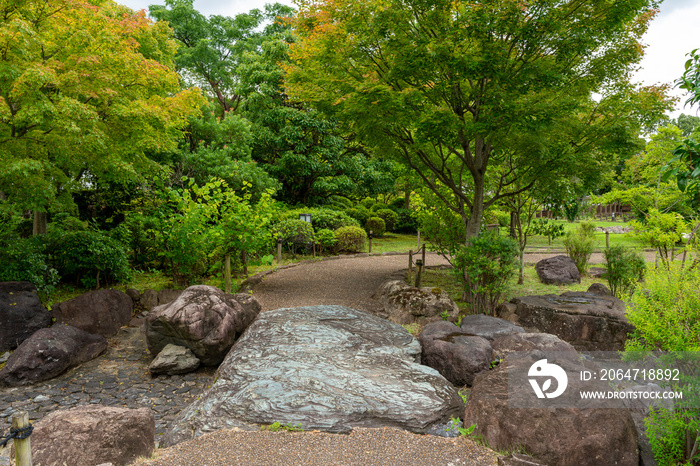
(377, 207)
(295, 234)
(326, 240)
(350, 239)
(375, 225)
(331, 219)
(390, 218)
(359, 213)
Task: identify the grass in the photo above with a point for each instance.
(391, 242)
(542, 243)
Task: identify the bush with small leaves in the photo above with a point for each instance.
(375, 225)
(625, 267)
(295, 234)
(580, 244)
(359, 213)
(351, 239)
(326, 240)
(390, 218)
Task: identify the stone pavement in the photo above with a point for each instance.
(118, 377)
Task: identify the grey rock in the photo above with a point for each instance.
(588, 321)
(581, 436)
(90, 435)
(100, 311)
(405, 304)
(167, 296)
(204, 319)
(4, 357)
(329, 368)
(597, 272)
(41, 399)
(542, 342)
(50, 352)
(488, 327)
(456, 356)
(21, 314)
(173, 360)
(134, 294)
(558, 270)
(449, 429)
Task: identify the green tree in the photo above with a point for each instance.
(449, 87)
(88, 89)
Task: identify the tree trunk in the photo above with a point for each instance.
(39, 223)
(477, 209)
(407, 198)
(513, 221)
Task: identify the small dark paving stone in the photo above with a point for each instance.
(119, 377)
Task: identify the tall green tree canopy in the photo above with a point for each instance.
(87, 89)
(454, 88)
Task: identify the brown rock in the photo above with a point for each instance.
(520, 342)
(167, 296)
(588, 321)
(488, 327)
(558, 270)
(90, 435)
(599, 289)
(50, 352)
(555, 436)
(203, 319)
(101, 311)
(149, 299)
(21, 313)
(456, 356)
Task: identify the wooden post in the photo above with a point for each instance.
(607, 240)
(418, 239)
(313, 245)
(371, 234)
(419, 270)
(227, 273)
(279, 250)
(410, 265)
(423, 255)
(23, 450)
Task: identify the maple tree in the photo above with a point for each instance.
(454, 89)
(87, 90)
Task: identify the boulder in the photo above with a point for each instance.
(90, 435)
(405, 304)
(204, 319)
(520, 342)
(555, 436)
(21, 314)
(329, 368)
(456, 356)
(599, 289)
(100, 311)
(597, 272)
(149, 299)
(167, 296)
(488, 327)
(590, 322)
(517, 459)
(50, 352)
(174, 360)
(558, 270)
(134, 294)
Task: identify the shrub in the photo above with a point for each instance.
(661, 232)
(377, 207)
(295, 234)
(368, 203)
(360, 214)
(390, 218)
(326, 240)
(579, 245)
(407, 222)
(331, 219)
(665, 313)
(485, 265)
(23, 259)
(625, 267)
(376, 225)
(350, 239)
(550, 229)
(340, 202)
(88, 257)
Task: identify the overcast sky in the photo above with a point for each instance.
(672, 34)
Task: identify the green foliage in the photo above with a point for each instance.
(89, 258)
(375, 225)
(546, 228)
(580, 244)
(377, 206)
(295, 234)
(413, 329)
(666, 433)
(389, 216)
(661, 231)
(322, 217)
(625, 267)
(24, 259)
(326, 239)
(690, 81)
(407, 221)
(360, 214)
(444, 229)
(278, 426)
(445, 315)
(351, 239)
(496, 216)
(367, 203)
(485, 265)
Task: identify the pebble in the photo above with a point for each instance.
(119, 377)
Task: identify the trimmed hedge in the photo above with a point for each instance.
(351, 239)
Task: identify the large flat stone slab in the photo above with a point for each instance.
(329, 368)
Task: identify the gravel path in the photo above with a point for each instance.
(363, 447)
